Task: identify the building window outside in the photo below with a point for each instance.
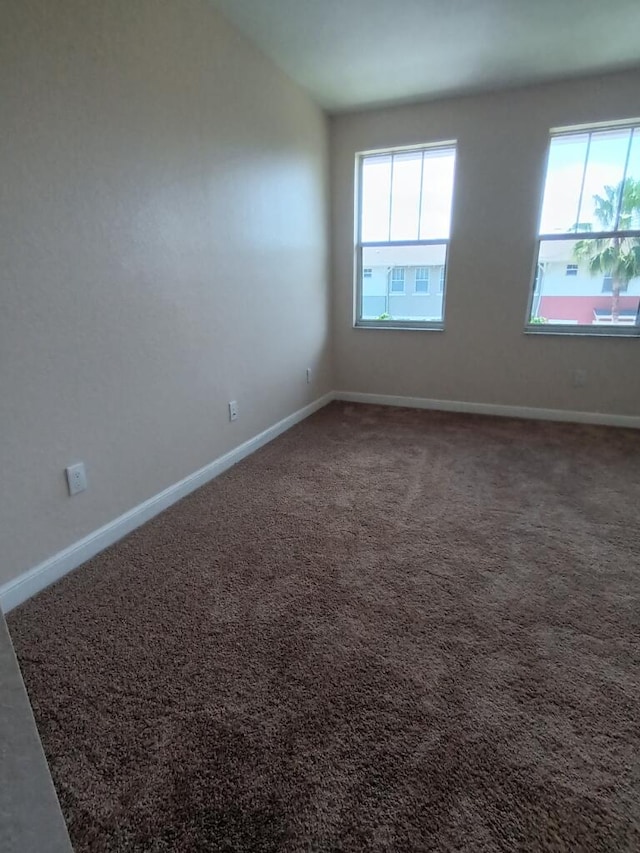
(422, 280)
(397, 280)
(590, 232)
(403, 220)
(367, 273)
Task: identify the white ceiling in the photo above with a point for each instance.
(354, 53)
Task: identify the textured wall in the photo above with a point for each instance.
(163, 216)
(484, 355)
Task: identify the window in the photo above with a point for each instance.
(422, 280)
(397, 280)
(367, 273)
(590, 232)
(403, 221)
(441, 278)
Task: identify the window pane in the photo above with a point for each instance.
(565, 170)
(630, 211)
(584, 180)
(437, 194)
(376, 197)
(582, 299)
(390, 263)
(405, 195)
(602, 180)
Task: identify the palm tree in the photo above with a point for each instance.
(617, 256)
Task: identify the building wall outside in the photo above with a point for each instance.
(576, 298)
(581, 309)
(379, 299)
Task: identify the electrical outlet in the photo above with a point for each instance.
(579, 377)
(76, 478)
(233, 410)
(308, 376)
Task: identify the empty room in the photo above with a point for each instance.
(320, 426)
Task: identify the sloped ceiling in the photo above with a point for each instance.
(353, 53)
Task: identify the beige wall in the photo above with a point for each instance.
(163, 212)
(484, 355)
(163, 219)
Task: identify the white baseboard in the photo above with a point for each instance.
(17, 591)
(531, 413)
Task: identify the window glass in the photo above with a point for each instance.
(587, 274)
(379, 303)
(404, 220)
(376, 197)
(405, 196)
(437, 194)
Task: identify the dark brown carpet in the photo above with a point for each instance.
(389, 630)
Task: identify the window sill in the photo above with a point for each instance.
(398, 325)
(583, 331)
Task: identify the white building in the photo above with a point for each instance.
(403, 282)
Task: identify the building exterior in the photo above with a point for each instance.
(567, 292)
(403, 282)
(408, 282)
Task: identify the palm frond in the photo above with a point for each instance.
(618, 255)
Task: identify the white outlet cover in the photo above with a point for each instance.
(76, 478)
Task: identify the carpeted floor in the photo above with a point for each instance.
(389, 630)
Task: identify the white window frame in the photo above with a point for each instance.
(359, 321)
(601, 328)
(571, 270)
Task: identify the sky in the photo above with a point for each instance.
(416, 203)
(566, 199)
(406, 213)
